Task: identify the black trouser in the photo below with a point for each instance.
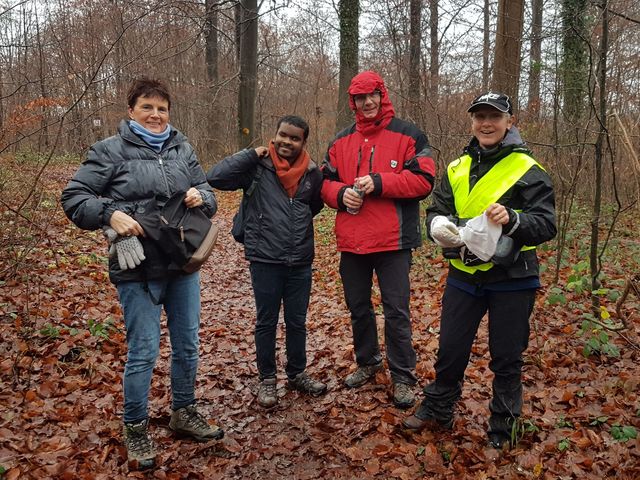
(392, 270)
(275, 285)
(462, 312)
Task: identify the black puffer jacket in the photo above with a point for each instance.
(279, 229)
(123, 173)
(532, 194)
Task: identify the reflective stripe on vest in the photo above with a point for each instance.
(489, 189)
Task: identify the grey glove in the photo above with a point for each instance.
(128, 249)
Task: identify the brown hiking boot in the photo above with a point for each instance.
(267, 393)
(141, 453)
(362, 375)
(403, 396)
(188, 422)
(306, 384)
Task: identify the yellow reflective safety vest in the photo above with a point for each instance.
(489, 189)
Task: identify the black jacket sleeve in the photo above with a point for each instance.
(316, 204)
(234, 172)
(533, 195)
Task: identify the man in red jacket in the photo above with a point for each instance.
(375, 173)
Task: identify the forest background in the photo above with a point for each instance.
(573, 70)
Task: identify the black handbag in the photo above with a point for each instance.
(186, 235)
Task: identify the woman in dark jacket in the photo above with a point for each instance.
(278, 241)
(146, 162)
(496, 176)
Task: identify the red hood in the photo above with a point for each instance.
(367, 82)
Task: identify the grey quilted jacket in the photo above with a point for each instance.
(123, 173)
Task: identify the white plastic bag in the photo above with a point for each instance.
(481, 236)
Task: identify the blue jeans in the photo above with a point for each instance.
(275, 284)
(181, 303)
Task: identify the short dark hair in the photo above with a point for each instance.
(296, 122)
(147, 87)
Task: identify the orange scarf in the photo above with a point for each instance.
(289, 173)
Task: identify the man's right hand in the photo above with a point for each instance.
(351, 199)
(445, 233)
(262, 151)
(124, 225)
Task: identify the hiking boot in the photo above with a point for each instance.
(403, 396)
(422, 420)
(500, 428)
(267, 393)
(499, 441)
(141, 453)
(306, 384)
(362, 375)
(188, 422)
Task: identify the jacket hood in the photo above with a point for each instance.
(367, 82)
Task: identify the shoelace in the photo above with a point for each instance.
(194, 419)
(139, 441)
(402, 389)
(270, 389)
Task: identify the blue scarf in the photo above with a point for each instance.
(154, 140)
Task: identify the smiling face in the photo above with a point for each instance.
(151, 112)
(289, 141)
(368, 103)
(490, 125)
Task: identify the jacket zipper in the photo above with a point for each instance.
(164, 176)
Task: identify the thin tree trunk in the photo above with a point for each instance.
(594, 262)
(415, 39)
(434, 54)
(212, 135)
(237, 11)
(486, 47)
(506, 61)
(349, 13)
(533, 105)
(248, 73)
(211, 40)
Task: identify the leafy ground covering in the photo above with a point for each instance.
(62, 354)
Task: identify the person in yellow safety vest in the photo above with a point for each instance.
(497, 176)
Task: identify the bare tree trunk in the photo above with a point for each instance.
(212, 136)
(415, 39)
(535, 66)
(237, 10)
(43, 137)
(248, 73)
(349, 13)
(211, 40)
(506, 62)
(434, 54)
(594, 261)
(486, 47)
(574, 58)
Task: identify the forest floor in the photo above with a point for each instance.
(62, 354)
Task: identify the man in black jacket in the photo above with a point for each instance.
(497, 177)
(278, 242)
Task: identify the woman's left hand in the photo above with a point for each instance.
(193, 198)
(498, 214)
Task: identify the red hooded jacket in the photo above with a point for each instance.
(397, 156)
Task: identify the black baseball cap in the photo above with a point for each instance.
(499, 101)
